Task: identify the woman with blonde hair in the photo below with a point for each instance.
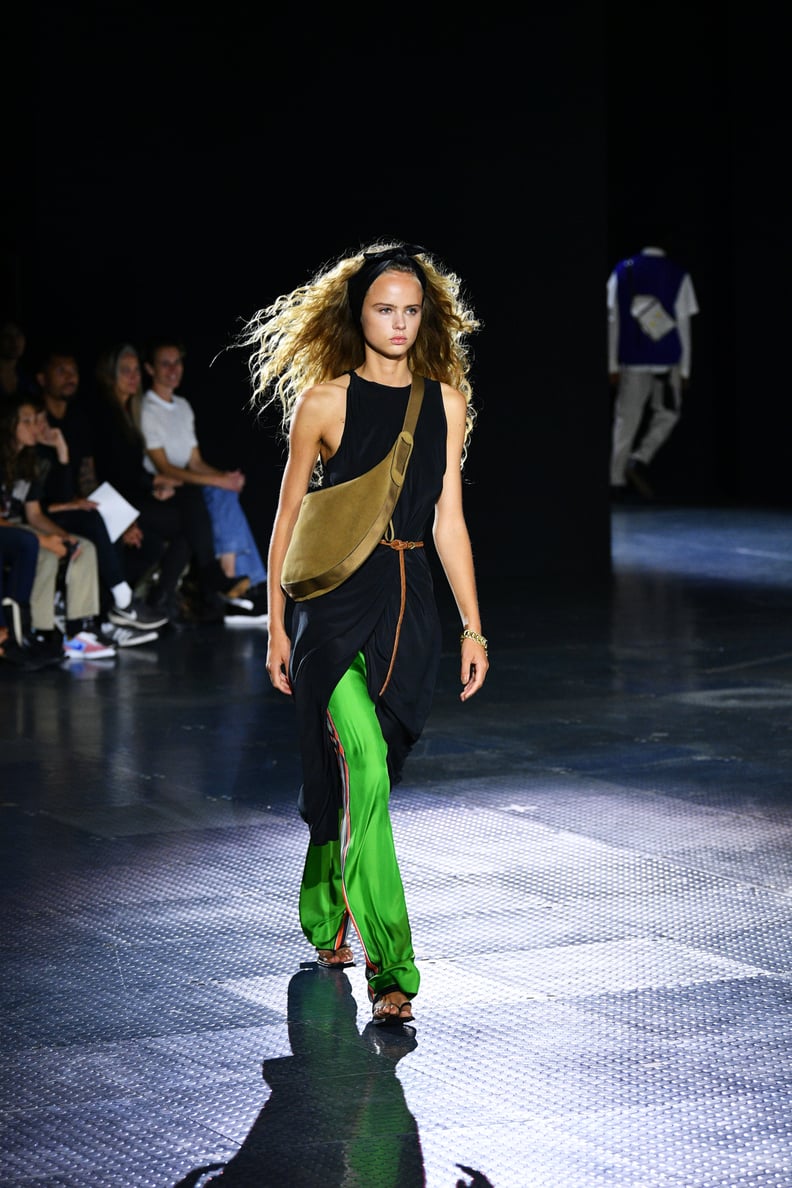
(338, 355)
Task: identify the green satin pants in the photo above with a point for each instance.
(357, 878)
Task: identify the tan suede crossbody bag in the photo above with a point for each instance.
(339, 527)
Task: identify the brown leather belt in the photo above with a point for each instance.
(401, 546)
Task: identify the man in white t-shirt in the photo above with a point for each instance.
(172, 449)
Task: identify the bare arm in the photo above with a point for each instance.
(314, 412)
(198, 472)
(50, 436)
(51, 535)
(38, 519)
(452, 542)
(77, 504)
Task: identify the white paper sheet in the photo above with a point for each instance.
(114, 509)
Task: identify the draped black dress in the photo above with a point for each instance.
(361, 615)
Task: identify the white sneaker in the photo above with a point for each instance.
(126, 637)
(244, 604)
(85, 645)
(243, 620)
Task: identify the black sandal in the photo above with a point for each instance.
(402, 1014)
(344, 952)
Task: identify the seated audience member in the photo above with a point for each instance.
(57, 376)
(14, 378)
(19, 646)
(168, 426)
(60, 552)
(170, 510)
(65, 476)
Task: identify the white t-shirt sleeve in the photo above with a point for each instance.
(684, 309)
(149, 428)
(686, 304)
(186, 410)
(169, 427)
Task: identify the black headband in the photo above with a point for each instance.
(374, 264)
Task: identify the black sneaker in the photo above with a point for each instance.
(137, 615)
(234, 588)
(210, 609)
(127, 637)
(252, 606)
(31, 655)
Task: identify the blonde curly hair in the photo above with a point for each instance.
(310, 336)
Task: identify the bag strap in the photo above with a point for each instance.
(403, 446)
(414, 404)
(402, 450)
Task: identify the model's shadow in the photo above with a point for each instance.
(336, 1115)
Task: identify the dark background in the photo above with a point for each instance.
(172, 170)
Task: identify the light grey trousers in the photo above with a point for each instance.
(663, 394)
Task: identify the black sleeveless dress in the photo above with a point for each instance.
(361, 615)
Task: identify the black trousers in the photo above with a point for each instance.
(181, 530)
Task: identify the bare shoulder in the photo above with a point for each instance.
(325, 394)
(454, 403)
(320, 412)
(324, 399)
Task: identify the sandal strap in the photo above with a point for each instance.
(376, 995)
(400, 1006)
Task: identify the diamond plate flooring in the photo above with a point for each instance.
(596, 853)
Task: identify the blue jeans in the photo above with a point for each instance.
(19, 550)
(232, 533)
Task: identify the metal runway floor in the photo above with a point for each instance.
(596, 853)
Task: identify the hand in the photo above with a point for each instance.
(164, 488)
(50, 436)
(81, 504)
(278, 653)
(233, 480)
(53, 543)
(475, 664)
(133, 537)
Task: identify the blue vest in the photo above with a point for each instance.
(661, 278)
